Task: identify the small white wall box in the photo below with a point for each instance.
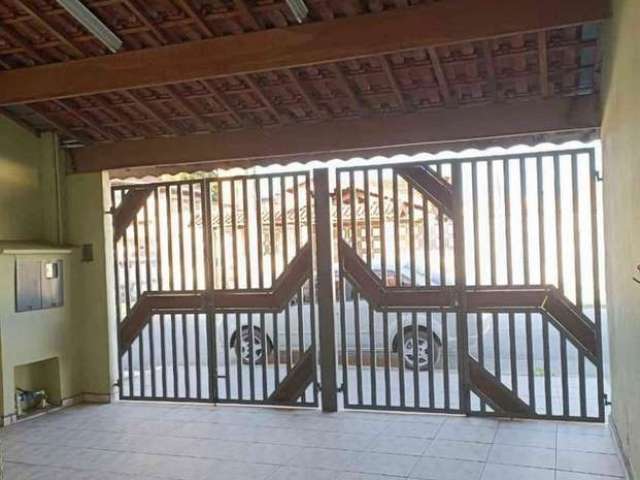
(39, 284)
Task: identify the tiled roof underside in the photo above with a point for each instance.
(560, 62)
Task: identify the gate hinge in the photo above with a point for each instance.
(339, 389)
(599, 177)
(607, 402)
(117, 383)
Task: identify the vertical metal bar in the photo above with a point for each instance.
(341, 286)
(236, 285)
(171, 287)
(183, 285)
(174, 363)
(595, 259)
(300, 295)
(136, 256)
(163, 353)
(398, 281)
(147, 255)
(194, 269)
(443, 314)
(223, 280)
(372, 344)
(527, 280)
(324, 258)
(354, 293)
(383, 268)
(492, 260)
(512, 328)
(212, 340)
(263, 333)
(427, 281)
(543, 281)
(460, 273)
(274, 317)
(116, 276)
(414, 317)
(127, 296)
(284, 221)
(476, 266)
(247, 262)
(312, 283)
(559, 264)
(577, 258)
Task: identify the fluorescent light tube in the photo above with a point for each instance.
(92, 23)
(299, 9)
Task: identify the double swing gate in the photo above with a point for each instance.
(469, 286)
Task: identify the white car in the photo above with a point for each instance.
(400, 330)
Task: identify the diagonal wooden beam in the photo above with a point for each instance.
(272, 299)
(431, 185)
(297, 380)
(492, 390)
(437, 23)
(128, 210)
(269, 300)
(546, 299)
(157, 302)
(384, 298)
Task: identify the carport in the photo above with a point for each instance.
(384, 223)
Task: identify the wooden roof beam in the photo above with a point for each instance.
(366, 136)
(420, 26)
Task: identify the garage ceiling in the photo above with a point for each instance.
(560, 60)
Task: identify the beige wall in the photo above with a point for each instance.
(38, 203)
(28, 337)
(20, 203)
(621, 144)
(85, 224)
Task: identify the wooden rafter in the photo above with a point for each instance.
(393, 82)
(399, 29)
(150, 111)
(308, 98)
(543, 63)
(441, 78)
(263, 99)
(46, 23)
(342, 138)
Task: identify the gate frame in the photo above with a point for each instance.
(322, 244)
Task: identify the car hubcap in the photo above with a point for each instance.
(423, 351)
(245, 348)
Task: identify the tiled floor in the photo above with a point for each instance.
(151, 441)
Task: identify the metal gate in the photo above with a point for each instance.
(468, 286)
(214, 292)
(472, 286)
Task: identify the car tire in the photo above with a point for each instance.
(242, 346)
(424, 355)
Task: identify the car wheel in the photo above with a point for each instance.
(425, 357)
(247, 339)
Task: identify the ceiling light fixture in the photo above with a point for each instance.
(299, 9)
(92, 23)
